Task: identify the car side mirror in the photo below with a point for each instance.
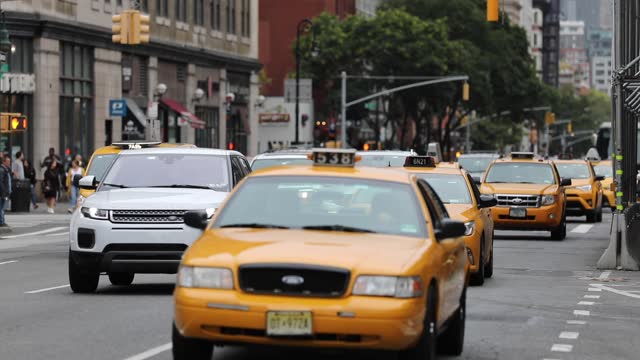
(196, 219)
(477, 180)
(599, 178)
(487, 201)
(88, 183)
(450, 229)
(565, 182)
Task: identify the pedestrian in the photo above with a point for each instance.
(18, 166)
(80, 160)
(73, 183)
(5, 186)
(50, 158)
(51, 185)
(30, 174)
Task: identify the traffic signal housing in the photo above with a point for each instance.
(19, 123)
(570, 128)
(139, 28)
(493, 10)
(120, 28)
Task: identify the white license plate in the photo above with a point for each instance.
(518, 212)
(289, 323)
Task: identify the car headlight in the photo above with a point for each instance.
(548, 200)
(389, 286)
(471, 226)
(584, 187)
(210, 212)
(95, 213)
(205, 277)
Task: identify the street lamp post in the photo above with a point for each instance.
(303, 26)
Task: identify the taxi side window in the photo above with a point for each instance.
(236, 170)
(245, 165)
(435, 206)
(474, 187)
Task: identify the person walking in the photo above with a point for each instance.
(51, 185)
(73, 183)
(5, 186)
(30, 174)
(18, 166)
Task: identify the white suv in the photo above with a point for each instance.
(134, 223)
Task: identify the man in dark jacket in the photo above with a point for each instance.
(5, 186)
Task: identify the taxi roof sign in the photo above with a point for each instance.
(522, 155)
(135, 144)
(333, 157)
(420, 161)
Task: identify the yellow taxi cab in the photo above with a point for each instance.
(605, 169)
(326, 255)
(463, 201)
(103, 157)
(530, 194)
(584, 196)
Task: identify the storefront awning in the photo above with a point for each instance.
(193, 120)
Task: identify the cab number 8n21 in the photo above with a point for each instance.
(334, 159)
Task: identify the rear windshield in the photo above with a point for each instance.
(452, 189)
(377, 160)
(475, 164)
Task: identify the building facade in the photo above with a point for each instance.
(200, 50)
(574, 61)
(601, 73)
(550, 40)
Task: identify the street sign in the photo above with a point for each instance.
(152, 110)
(305, 94)
(3, 56)
(117, 108)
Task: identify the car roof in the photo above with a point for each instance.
(114, 149)
(368, 173)
(573, 161)
(491, 155)
(534, 160)
(181, 150)
(445, 170)
(288, 154)
(385, 152)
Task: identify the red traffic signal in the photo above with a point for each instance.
(18, 123)
(231, 146)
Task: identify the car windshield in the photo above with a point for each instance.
(265, 163)
(379, 160)
(325, 203)
(573, 171)
(452, 189)
(99, 165)
(520, 173)
(168, 170)
(475, 164)
(604, 170)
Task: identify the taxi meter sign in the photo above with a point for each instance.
(333, 157)
(419, 161)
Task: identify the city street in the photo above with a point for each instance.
(546, 301)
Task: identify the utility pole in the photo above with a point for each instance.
(467, 135)
(343, 111)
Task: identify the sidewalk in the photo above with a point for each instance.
(35, 219)
(61, 208)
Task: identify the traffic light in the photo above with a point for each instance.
(493, 10)
(18, 123)
(139, 28)
(465, 91)
(570, 128)
(120, 28)
(549, 118)
(231, 146)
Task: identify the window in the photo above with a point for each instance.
(208, 137)
(231, 16)
(198, 12)
(181, 10)
(144, 6)
(246, 18)
(119, 3)
(215, 14)
(520, 173)
(162, 8)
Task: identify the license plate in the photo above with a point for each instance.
(289, 323)
(518, 212)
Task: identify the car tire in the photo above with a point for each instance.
(425, 349)
(599, 217)
(559, 233)
(82, 280)
(488, 269)
(451, 342)
(189, 349)
(477, 278)
(121, 278)
(592, 216)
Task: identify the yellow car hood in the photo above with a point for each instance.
(518, 189)
(460, 212)
(368, 253)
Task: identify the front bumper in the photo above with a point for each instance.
(377, 323)
(537, 218)
(581, 203)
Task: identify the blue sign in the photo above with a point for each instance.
(117, 108)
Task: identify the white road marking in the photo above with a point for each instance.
(570, 335)
(592, 296)
(581, 312)
(35, 233)
(594, 289)
(576, 322)
(9, 262)
(151, 352)
(562, 348)
(604, 275)
(586, 303)
(58, 234)
(582, 228)
(47, 289)
(601, 287)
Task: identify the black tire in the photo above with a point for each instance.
(190, 349)
(599, 216)
(477, 278)
(82, 280)
(121, 278)
(560, 233)
(488, 269)
(592, 216)
(451, 342)
(425, 349)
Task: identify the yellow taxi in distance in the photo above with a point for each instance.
(326, 255)
(605, 169)
(584, 196)
(530, 194)
(463, 202)
(104, 156)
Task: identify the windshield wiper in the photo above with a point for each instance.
(183, 186)
(116, 185)
(338, 228)
(254, 226)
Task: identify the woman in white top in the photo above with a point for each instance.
(73, 183)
